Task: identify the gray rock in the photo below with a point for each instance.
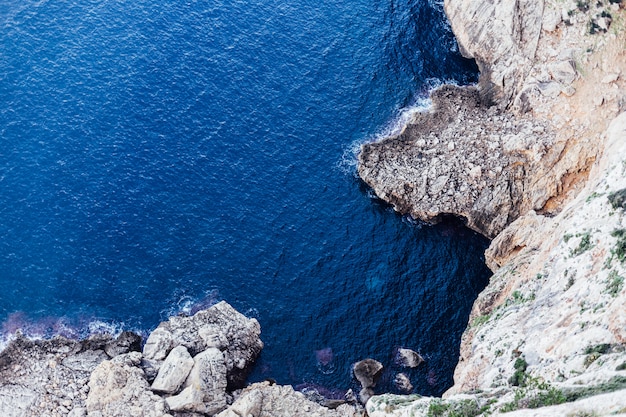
(159, 344)
(403, 383)
(174, 371)
(365, 394)
(124, 343)
(205, 388)
(408, 358)
(563, 72)
(367, 372)
(118, 388)
(267, 400)
(219, 326)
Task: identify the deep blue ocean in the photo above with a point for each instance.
(158, 156)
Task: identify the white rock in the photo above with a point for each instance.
(174, 371)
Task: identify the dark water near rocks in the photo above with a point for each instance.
(157, 156)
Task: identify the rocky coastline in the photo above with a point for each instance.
(533, 157)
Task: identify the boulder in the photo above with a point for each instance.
(367, 372)
(118, 387)
(174, 371)
(269, 400)
(408, 358)
(403, 383)
(205, 388)
(219, 326)
(124, 343)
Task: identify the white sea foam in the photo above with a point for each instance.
(420, 103)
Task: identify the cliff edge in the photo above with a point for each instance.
(533, 157)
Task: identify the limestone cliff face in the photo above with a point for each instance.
(533, 158)
(502, 36)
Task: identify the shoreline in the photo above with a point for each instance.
(532, 159)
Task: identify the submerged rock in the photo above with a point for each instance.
(403, 383)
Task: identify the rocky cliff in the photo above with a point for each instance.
(533, 157)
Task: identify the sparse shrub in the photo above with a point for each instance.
(614, 283)
(519, 377)
(584, 245)
(618, 199)
(620, 246)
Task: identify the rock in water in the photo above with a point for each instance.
(403, 383)
(408, 358)
(367, 372)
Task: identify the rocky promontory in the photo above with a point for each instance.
(534, 158)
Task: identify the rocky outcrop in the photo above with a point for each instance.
(118, 387)
(270, 400)
(464, 159)
(548, 332)
(220, 327)
(187, 369)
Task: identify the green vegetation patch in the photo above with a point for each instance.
(519, 377)
(619, 250)
(618, 199)
(537, 394)
(614, 384)
(614, 284)
(464, 408)
(584, 245)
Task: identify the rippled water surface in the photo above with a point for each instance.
(157, 156)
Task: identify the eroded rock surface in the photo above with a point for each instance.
(464, 159)
(269, 400)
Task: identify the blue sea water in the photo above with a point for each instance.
(157, 156)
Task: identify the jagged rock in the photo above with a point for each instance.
(205, 388)
(124, 343)
(408, 358)
(564, 71)
(219, 326)
(268, 400)
(174, 371)
(403, 383)
(118, 387)
(502, 37)
(41, 377)
(367, 372)
(159, 344)
(482, 180)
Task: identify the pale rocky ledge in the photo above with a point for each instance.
(533, 157)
